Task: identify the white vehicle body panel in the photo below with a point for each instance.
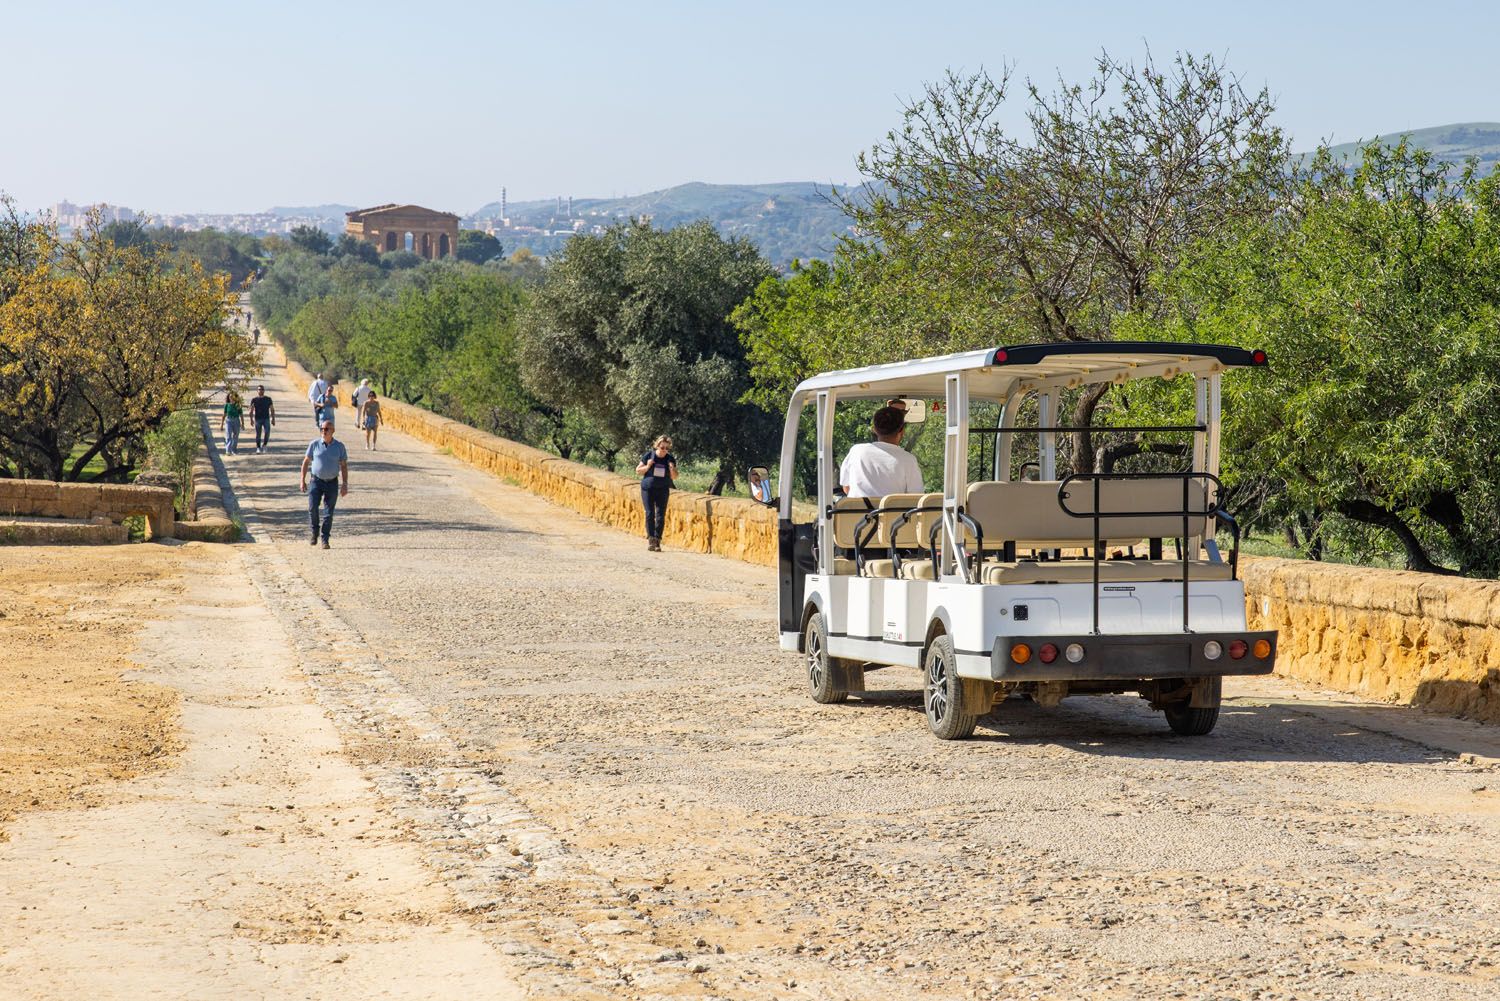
(886, 621)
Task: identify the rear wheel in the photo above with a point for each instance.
(1190, 722)
(823, 672)
(949, 716)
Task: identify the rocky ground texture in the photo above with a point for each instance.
(619, 776)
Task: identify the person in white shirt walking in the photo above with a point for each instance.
(362, 392)
(882, 466)
(315, 394)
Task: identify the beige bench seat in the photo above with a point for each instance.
(1110, 571)
(912, 568)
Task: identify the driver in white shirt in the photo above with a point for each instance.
(881, 467)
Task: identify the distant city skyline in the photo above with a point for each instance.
(180, 108)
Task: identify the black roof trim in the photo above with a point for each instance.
(1031, 354)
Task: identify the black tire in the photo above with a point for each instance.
(823, 672)
(1186, 721)
(949, 717)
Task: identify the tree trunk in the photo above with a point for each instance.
(1083, 416)
(723, 477)
(1373, 514)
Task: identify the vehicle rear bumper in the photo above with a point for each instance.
(1136, 656)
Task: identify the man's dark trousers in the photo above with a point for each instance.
(326, 493)
(262, 431)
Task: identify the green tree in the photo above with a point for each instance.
(353, 247)
(970, 235)
(323, 328)
(631, 328)
(311, 239)
(1377, 296)
(476, 247)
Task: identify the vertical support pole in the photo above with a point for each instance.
(1006, 448)
(1215, 403)
(789, 436)
(955, 472)
(1047, 418)
(1200, 417)
(1201, 449)
(826, 477)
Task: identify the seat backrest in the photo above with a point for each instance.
(1139, 495)
(891, 507)
(914, 534)
(1028, 513)
(847, 512)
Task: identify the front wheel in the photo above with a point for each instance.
(1187, 721)
(949, 716)
(823, 672)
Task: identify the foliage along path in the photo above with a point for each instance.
(617, 776)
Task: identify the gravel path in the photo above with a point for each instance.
(620, 777)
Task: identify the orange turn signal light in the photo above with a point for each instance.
(1020, 653)
(1262, 649)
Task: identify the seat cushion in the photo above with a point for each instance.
(1110, 571)
(917, 569)
(844, 566)
(879, 568)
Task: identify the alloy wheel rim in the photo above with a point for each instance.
(937, 687)
(815, 660)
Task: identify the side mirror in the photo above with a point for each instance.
(916, 411)
(759, 478)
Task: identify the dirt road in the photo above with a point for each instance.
(250, 858)
(688, 822)
(615, 776)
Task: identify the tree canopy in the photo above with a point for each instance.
(1376, 294)
(99, 344)
(631, 327)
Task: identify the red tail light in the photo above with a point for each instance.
(1048, 653)
(1002, 356)
(1238, 649)
(1257, 357)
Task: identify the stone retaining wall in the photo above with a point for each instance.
(90, 501)
(1389, 635)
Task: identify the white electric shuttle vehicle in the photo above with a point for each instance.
(1044, 587)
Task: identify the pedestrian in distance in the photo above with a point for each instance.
(657, 470)
(315, 396)
(369, 419)
(362, 392)
(328, 405)
(263, 417)
(328, 462)
(257, 335)
(232, 422)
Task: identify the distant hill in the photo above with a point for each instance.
(1454, 143)
(786, 221)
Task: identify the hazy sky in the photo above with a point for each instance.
(209, 106)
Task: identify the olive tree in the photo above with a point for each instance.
(631, 328)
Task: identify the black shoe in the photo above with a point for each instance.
(314, 541)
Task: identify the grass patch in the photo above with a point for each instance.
(94, 467)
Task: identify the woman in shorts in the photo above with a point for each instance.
(369, 419)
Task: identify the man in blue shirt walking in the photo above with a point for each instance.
(328, 461)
